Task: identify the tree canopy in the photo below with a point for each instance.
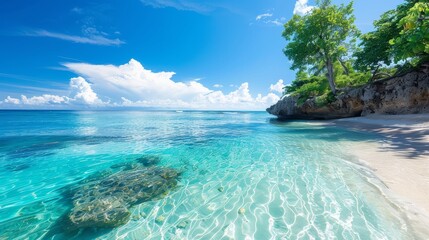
(413, 39)
(400, 34)
(323, 35)
(375, 46)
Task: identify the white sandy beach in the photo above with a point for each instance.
(400, 160)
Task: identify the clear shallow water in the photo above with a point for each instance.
(292, 180)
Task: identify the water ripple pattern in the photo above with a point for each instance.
(244, 176)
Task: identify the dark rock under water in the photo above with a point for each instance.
(103, 199)
(105, 203)
(149, 160)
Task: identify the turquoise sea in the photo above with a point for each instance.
(244, 175)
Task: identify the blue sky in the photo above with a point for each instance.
(223, 53)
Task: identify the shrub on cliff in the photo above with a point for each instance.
(307, 85)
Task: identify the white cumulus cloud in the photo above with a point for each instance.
(45, 99)
(134, 82)
(80, 94)
(278, 87)
(131, 85)
(82, 91)
(302, 7)
(12, 100)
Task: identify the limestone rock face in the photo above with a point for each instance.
(398, 95)
(401, 95)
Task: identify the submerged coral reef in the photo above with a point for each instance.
(103, 199)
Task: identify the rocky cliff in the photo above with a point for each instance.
(404, 94)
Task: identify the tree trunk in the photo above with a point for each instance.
(375, 73)
(331, 77)
(346, 69)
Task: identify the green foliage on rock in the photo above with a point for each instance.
(352, 79)
(324, 99)
(308, 85)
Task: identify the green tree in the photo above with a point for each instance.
(399, 34)
(413, 39)
(321, 35)
(374, 47)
